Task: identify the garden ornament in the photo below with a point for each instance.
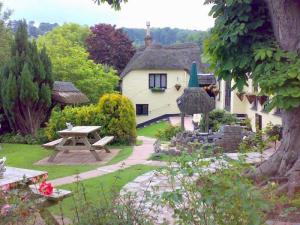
(2, 167)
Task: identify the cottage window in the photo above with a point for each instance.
(142, 109)
(157, 81)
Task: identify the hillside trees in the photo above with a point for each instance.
(66, 48)
(26, 84)
(260, 40)
(110, 46)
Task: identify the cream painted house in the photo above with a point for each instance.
(156, 76)
(229, 100)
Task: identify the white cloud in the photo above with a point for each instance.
(189, 14)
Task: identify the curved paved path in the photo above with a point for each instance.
(140, 155)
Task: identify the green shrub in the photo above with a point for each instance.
(254, 143)
(12, 138)
(217, 118)
(118, 117)
(114, 113)
(221, 197)
(78, 116)
(168, 132)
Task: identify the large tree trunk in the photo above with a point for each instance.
(285, 15)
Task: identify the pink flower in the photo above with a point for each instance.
(5, 187)
(46, 188)
(5, 209)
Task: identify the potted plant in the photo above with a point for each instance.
(251, 97)
(240, 95)
(158, 89)
(262, 99)
(177, 86)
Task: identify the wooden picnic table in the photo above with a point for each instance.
(16, 178)
(77, 138)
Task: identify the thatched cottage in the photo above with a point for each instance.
(156, 76)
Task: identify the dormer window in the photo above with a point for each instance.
(157, 81)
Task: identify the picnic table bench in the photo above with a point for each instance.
(15, 176)
(78, 138)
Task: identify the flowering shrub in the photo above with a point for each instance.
(18, 203)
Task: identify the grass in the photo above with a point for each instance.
(151, 130)
(99, 189)
(24, 156)
(123, 154)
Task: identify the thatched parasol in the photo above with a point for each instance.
(194, 99)
(65, 93)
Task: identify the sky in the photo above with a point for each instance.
(186, 14)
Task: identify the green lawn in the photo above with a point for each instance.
(99, 188)
(24, 156)
(123, 154)
(152, 129)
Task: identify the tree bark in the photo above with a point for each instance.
(285, 15)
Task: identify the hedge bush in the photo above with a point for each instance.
(78, 116)
(118, 117)
(217, 118)
(114, 113)
(13, 138)
(168, 132)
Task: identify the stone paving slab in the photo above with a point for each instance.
(159, 183)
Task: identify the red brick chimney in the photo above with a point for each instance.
(148, 38)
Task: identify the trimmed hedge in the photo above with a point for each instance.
(114, 113)
(118, 117)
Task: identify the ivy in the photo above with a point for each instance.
(242, 46)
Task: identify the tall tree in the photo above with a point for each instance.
(111, 46)
(260, 40)
(26, 84)
(66, 48)
(5, 36)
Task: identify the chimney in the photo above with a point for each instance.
(148, 38)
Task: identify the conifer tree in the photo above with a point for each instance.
(26, 84)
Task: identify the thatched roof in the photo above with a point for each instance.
(194, 101)
(175, 57)
(66, 93)
(206, 79)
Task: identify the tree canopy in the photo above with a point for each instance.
(116, 4)
(110, 46)
(66, 48)
(242, 45)
(259, 40)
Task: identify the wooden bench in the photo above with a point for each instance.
(101, 144)
(52, 144)
(44, 202)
